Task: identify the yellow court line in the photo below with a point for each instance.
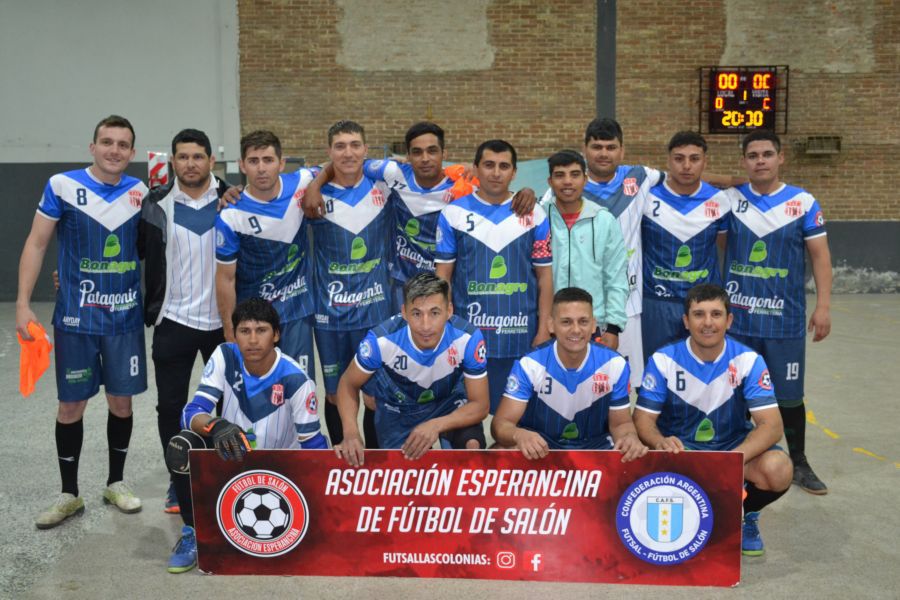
(811, 419)
(867, 453)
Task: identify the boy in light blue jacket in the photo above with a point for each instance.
(588, 249)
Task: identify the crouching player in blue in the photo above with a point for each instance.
(696, 394)
(570, 393)
(427, 370)
(267, 402)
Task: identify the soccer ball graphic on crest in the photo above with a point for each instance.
(262, 514)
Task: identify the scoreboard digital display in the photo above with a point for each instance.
(742, 99)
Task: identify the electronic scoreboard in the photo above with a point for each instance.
(741, 99)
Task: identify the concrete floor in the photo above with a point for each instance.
(843, 545)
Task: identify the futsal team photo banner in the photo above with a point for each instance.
(583, 516)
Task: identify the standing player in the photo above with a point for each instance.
(588, 249)
(683, 219)
(427, 369)
(262, 246)
(499, 264)
(696, 395)
(178, 244)
(267, 401)
(771, 226)
(569, 394)
(97, 327)
(351, 249)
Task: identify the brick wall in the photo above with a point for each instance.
(297, 77)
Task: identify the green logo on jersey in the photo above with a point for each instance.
(477, 288)
(570, 432)
(111, 246)
(336, 268)
(683, 258)
(758, 252)
(358, 249)
(293, 259)
(705, 431)
(79, 375)
(412, 228)
(425, 397)
(670, 275)
(498, 268)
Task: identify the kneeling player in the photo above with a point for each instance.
(696, 394)
(570, 393)
(427, 370)
(266, 397)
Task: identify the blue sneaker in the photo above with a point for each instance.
(171, 506)
(751, 541)
(184, 555)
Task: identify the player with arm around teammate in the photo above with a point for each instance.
(266, 399)
(427, 370)
(696, 394)
(570, 393)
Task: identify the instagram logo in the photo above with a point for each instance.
(506, 560)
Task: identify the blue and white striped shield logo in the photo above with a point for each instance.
(665, 517)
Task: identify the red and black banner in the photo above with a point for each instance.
(574, 516)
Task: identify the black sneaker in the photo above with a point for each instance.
(805, 478)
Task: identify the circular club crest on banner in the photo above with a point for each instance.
(664, 518)
(262, 514)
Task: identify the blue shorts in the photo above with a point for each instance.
(396, 295)
(297, 342)
(394, 425)
(84, 361)
(497, 371)
(786, 360)
(336, 351)
(661, 324)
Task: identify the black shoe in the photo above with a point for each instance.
(805, 478)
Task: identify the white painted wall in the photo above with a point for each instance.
(163, 64)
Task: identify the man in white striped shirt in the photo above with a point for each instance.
(177, 242)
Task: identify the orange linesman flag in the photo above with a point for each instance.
(34, 357)
(462, 186)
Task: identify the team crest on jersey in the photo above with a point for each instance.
(277, 394)
(793, 208)
(298, 197)
(820, 219)
(512, 384)
(527, 221)
(733, 379)
(630, 186)
(649, 382)
(481, 353)
(262, 513)
(447, 198)
(765, 381)
(377, 197)
(711, 209)
(220, 239)
(365, 349)
(600, 384)
(135, 197)
(312, 403)
(452, 356)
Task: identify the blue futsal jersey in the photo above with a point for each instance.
(569, 408)
(280, 407)
(765, 259)
(494, 284)
(351, 251)
(415, 213)
(405, 378)
(269, 242)
(98, 264)
(678, 235)
(705, 404)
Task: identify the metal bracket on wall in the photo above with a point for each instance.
(819, 144)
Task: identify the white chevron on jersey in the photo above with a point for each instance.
(356, 217)
(111, 215)
(412, 195)
(762, 223)
(275, 229)
(706, 397)
(565, 402)
(495, 236)
(685, 226)
(423, 375)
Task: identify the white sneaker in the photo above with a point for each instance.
(120, 495)
(65, 506)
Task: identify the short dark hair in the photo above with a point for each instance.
(192, 136)
(761, 135)
(423, 128)
(687, 138)
(603, 129)
(346, 126)
(256, 309)
(424, 283)
(115, 121)
(260, 138)
(572, 294)
(704, 292)
(495, 146)
(564, 158)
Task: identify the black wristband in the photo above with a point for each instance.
(613, 329)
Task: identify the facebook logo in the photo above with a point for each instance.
(536, 560)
